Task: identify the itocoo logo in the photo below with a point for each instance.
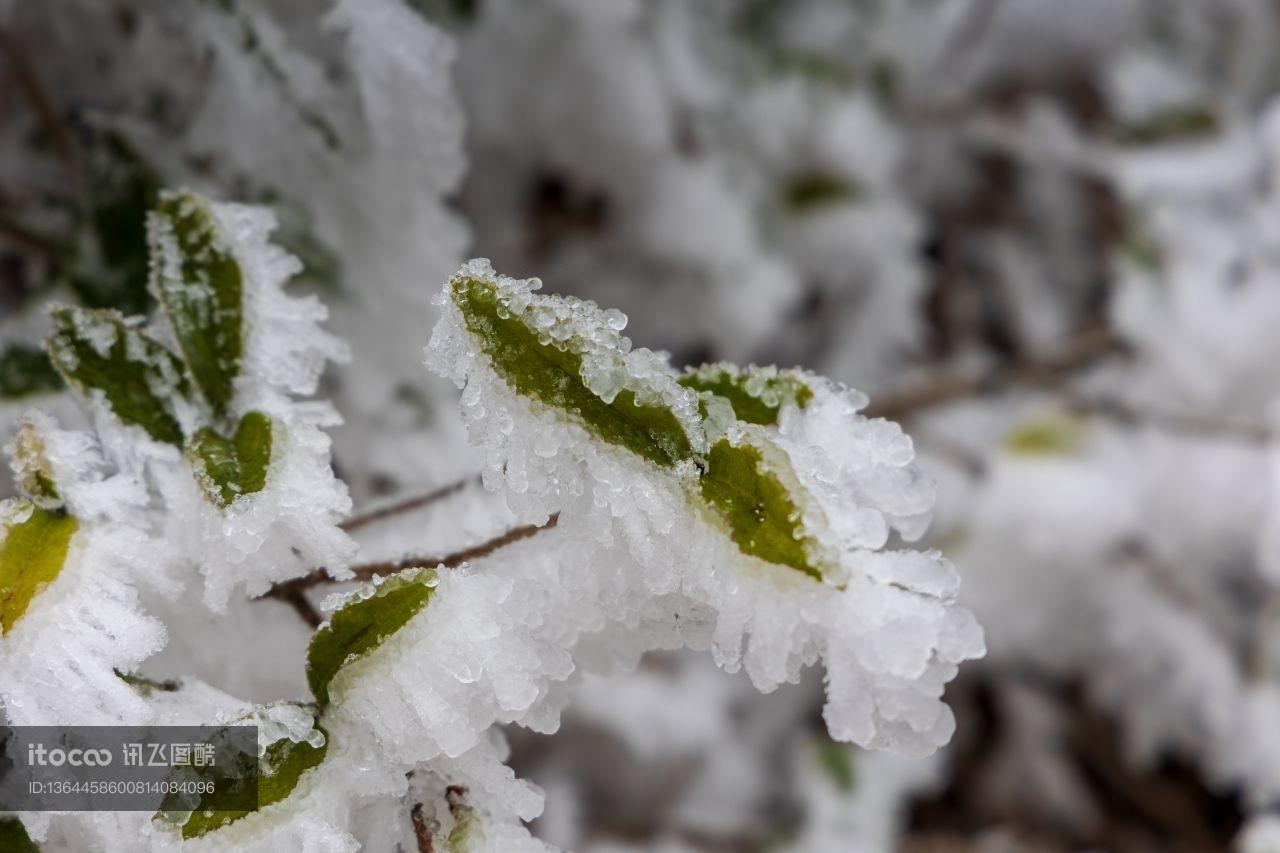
(39, 755)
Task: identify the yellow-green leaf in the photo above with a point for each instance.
(229, 468)
(1054, 434)
(809, 191)
(756, 506)
(200, 286)
(97, 350)
(363, 624)
(279, 772)
(757, 394)
(1179, 123)
(553, 374)
(31, 556)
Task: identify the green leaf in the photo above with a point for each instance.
(279, 772)
(25, 371)
(1179, 123)
(364, 624)
(837, 761)
(756, 394)
(757, 506)
(229, 468)
(809, 191)
(553, 375)
(140, 379)
(32, 472)
(14, 838)
(31, 556)
(201, 289)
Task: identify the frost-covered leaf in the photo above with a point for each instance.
(279, 770)
(230, 467)
(14, 838)
(97, 350)
(750, 496)
(363, 624)
(31, 556)
(30, 463)
(201, 288)
(26, 370)
(536, 348)
(756, 393)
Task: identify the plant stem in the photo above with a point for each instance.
(363, 519)
(292, 592)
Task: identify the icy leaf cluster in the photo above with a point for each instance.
(201, 461)
(764, 538)
(766, 542)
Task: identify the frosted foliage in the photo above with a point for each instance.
(57, 664)
(1043, 236)
(398, 233)
(1205, 710)
(890, 636)
(288, 528)
(477, 800)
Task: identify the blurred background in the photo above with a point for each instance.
(1044, 235)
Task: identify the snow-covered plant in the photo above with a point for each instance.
(1041, 236)
(750, 511)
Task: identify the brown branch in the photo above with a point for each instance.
(289, 590)
(369, 571)
(25, 239)
(41, 102)
(967, 37)
(363, 519)
(1082, 351)
(1189, 424)
(296, 598)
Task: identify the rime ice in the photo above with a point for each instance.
(662, 574)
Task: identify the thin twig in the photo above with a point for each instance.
(287, 589)
(26, 239)
(363, 519)
(41, 102)
(451, 561)
(1190, 424)
(966, 37)
(296, 598)
(1083, 351)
